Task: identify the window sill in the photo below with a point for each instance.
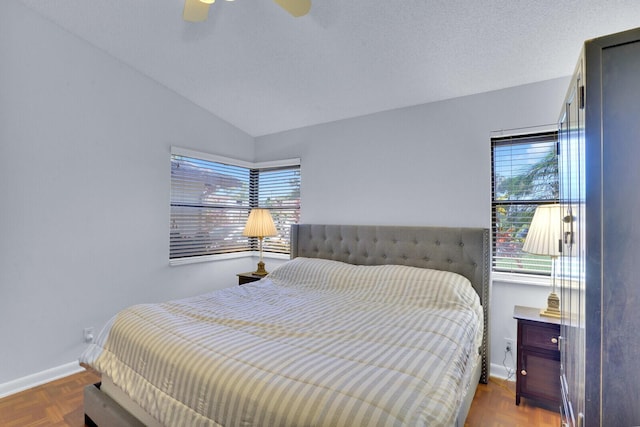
(520, 279)
(530, 279)
(222, 257)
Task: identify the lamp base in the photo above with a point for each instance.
(553, 306)
(260, 271)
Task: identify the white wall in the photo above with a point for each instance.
(84, 191)
(424, 165)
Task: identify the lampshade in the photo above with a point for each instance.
(260, 224)
(545, 232)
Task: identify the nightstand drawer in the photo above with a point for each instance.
(542, 336)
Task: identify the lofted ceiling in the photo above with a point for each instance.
(255, 66)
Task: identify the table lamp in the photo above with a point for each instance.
(544, 238)
(260, 224)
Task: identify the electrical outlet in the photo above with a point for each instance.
(508, 345)
(87, 334)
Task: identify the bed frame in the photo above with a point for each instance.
(461, 250)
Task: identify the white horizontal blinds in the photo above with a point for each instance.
(278, 189)
(209, 207)
(524, 175)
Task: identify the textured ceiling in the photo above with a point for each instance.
(264, 71)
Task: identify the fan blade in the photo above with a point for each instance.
(195, 11)
(297, 8)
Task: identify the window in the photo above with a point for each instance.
(524, 172)
(211, 198)
(279, 190)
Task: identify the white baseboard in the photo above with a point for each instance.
(499, 371)
(39, 378)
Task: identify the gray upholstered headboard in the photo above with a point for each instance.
(462, 250)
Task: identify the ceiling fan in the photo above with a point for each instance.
(198, 10)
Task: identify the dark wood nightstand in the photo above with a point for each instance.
(538, 359)
(244, 278)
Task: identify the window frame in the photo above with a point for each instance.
(541, 275)
(250, 249)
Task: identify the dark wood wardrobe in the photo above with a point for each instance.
(599, 270)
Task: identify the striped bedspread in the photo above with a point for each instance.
(316, 343)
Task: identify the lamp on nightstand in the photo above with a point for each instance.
(260, 224)
(544, 238)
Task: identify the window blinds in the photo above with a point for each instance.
(211, 201)
(209, 207)
(524, 175)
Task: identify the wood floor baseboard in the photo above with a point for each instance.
(43, 377)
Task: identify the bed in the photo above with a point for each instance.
(343, 334)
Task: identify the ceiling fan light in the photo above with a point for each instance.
(208, 1)
(195, 11)
(296, 8)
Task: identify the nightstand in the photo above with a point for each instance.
(538, 357)
(244, 278)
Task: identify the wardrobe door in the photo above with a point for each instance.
(570, 270)
(621, 234)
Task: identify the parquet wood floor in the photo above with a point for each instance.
(59, 404)
(55, 404)
(494, 405)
